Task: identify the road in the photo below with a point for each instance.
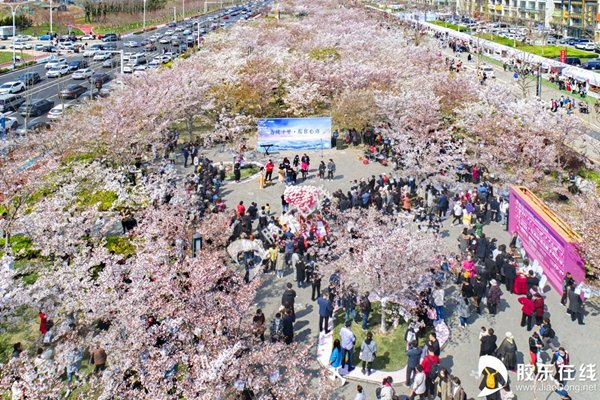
(49, 88)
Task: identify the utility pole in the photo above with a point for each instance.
(205, 7)
(144, 29)
(175, 14)
(51, 17)
(183, 10)
(14, 14)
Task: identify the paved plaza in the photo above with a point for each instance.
(461, 354)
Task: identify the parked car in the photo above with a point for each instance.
(12, 87)
(570, 60)
(591, 64)
(102, 55)
(46, 37)
(34, 126)
(99, 78)
(77, 64)
(84, 73)
(72, 91)
(586, 46)
(55, 62)
(36, 107)
(10, 123)
(487, 70)
(30, 78)
(149, 47)
(10, 102)
(58, 71)
(110, 37)
(111, 63)
(58, 111)
(39, 47)
(49, 49)
(21, 46)
(131, 43)
(87, 37)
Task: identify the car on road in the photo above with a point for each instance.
(72, 91)
(140, 69)
(84, 73)
(164, 40)
(169, 32)
(131, 43)
(49, 49)
(21, 46)
(128, 68)
(36, 107)
(591, 64)
(591, 46)
(154, 63)
(111, 63)
(58, 111)
(109, 46)
(571, 60)
(74, 65)
(487, 70)
(175, 42)
(46, 37)
(39, 47)
(55, 62)
(10, 102)
(58, 71)
(33, 126)
(67, 46)
(87, 37)
(12, 87)
(22, 38)
(110, 37)
(186, 32)
(99, 78)
(102, 56)
(30, 78)
(150, 47)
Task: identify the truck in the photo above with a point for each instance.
(6, 32)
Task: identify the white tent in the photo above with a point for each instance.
(581, 74)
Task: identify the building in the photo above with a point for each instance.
(577, 18)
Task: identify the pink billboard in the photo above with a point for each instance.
(546, 238)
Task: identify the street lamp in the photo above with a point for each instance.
(175, 14)
(144, 28)
(51, 17)
(14, 14)
(183, 10)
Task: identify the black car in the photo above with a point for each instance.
(72, 91)
(36, 107)
(30, 78)
(49, 49)
(99, 78)
(109, 46)
(591, 64)
(77, 64)
(110, 37)
(34, 126)
(570, 60)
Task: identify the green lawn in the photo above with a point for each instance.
(247, 171)
(7, 56)
(40, 30)
(450, 26)
(549, 51)
(23, 327)
(390, 346)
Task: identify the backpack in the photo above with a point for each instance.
(551, 333)
(378, 393)
(543, 330)
(433, 372)
(490, 379)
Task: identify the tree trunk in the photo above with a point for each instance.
(383, 327)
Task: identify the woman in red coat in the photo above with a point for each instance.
(527, 310)
(43, 323)
(538, 304)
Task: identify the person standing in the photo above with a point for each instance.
(479, 291)
(335, 359)
(98, 359)
(287, 299)
(276, 328)
(488, 344)
(419, 385)
(433, 344)
(261, 178)
(443, 385)
(360, 393)
(438, 301)
(430, 364)
(288, 327)
(330, 169)
(493, 297)
(535, 347)
(567, 282)
(349, 305)
(414, 357)
(575, 305)
(560, 359)
(538, 304)
(365, 310)
(507, 352)
(43, 323)
(325, 308)
(458, 393)
(322, 169)
(269, 166)
(259, 325)
(527, 311)
(368, 350)
(280, 263)
(464, 312)
(315, 282)
(348, 341)
(237, 172)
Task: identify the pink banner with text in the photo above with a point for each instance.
(545, 237)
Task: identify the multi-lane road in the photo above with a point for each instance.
(49, 88)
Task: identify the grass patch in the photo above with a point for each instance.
(390, 346)
(21, 247)
(324, 54)
(120, 245)
(104, 199)
(246, 171)
(450, 26)
(21, 326)
(549, 51)
(591, 175)
(40, 30)
(7, 56)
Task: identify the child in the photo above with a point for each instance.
(483, 332)
(268, 209)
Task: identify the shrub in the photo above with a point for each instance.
(120, 245)
(104, 199)
(324, 54)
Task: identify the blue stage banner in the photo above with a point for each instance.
(294, 133)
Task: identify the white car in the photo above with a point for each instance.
(87, 37)
(90, 52)
(102, 56)
(164, 40)
(55, 62)
(12, 87)
(128, 68)
(83, 73)
(131, 43)
(169, 32)
(22, 38)
(58, 111)
(58, 71)
(586, 46)
(66, 46)
(21, 46)
(489, 71)
(154, 63)
(10, 123)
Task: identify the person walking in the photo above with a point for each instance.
(430, 364)
(288, 298)
(507, 352)
(458, 393)
(464, 311)
(438, 301)
(280, 263)
(527, 311)
(560, 360)
(288, 327)
(259, 325)
(330, 169)
(566, 283)
(414, 357)
(335, 359)
(547, 333)
(443, 385)
(493, 297)
(325, 308)
(348, 341)
(368, 350)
